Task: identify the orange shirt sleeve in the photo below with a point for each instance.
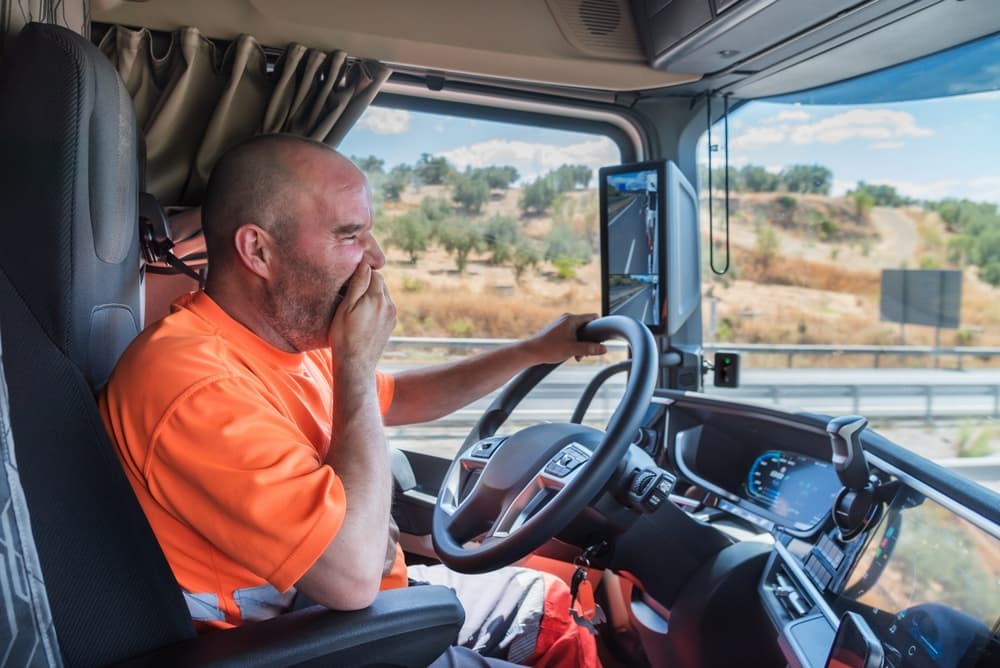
(226, 462)
(385, 386)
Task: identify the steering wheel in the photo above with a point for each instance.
(513, 493)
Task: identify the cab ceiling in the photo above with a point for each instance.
(590, 44)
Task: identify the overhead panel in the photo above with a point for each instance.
(710, 36)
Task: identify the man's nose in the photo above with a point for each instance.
(376, 258)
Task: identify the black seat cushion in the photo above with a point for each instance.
(69, 195)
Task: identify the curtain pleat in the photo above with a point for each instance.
(194, 100)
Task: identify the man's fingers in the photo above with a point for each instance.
(360, 281)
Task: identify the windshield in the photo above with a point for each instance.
(864, 239)
(491, 231)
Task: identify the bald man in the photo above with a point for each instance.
(250, 420)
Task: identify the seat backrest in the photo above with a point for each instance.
(70, 182)
(70, 300)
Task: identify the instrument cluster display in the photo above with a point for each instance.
(797, 490)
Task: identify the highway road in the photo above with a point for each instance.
(877, 393)
(628, 245)
(639, 302)
(886, 395)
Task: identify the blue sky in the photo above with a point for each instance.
(948, 147)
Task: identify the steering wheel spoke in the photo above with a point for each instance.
(524, 505)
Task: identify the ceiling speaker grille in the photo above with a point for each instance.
(600, 28)
(600, 17)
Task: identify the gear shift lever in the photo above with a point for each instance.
(848, 457)
(855, 507)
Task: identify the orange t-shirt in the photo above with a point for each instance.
(223, 438)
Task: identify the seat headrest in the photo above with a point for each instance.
(69, 195)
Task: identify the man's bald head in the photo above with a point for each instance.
(261, 182)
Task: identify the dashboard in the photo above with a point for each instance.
(925, 574)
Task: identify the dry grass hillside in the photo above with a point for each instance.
(814, 275)
(434, 299)
(805, 269)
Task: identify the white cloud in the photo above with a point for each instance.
(882, 125)
(384, 121)
(986, 188)
(887, 145)
(760, 136)
(788, 116)
(866, 123)
(533, 159)
(439, 128)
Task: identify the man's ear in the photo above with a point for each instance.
(255, 249)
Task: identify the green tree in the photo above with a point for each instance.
(369, 164)
(470, 190)
(565, 245)
(395, 182)
(499, 178)
(755, 178)
(807, 179)
(881, 195)
(735, 179)
(991, 273)
(500, 236)
(460, 237)
(569, 177)
(411, 233)
(431, 170)
(537, 196)
(863, 203)
(435, 209)
(526, 255)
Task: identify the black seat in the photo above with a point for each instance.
(69, 303)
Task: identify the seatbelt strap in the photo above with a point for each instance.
(156, 239)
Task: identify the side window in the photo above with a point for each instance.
(865, 241)
(490, 231)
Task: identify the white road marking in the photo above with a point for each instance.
(628, 261)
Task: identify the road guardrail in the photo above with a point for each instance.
(789, 352)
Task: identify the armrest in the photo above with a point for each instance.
(403, 627)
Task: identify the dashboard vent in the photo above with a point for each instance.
(601, 28)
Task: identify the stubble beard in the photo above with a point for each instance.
(301, 305)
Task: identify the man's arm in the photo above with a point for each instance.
(348, 573)
(427, 394)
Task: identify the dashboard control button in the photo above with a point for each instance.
(485, 448)
(556, 469)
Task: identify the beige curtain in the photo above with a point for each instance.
(194, 99)
(15, 14)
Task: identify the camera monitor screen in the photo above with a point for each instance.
(632, 205)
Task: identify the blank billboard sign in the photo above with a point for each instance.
(922, 296)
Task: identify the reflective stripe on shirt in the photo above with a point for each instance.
(262, 602)
(204, 607)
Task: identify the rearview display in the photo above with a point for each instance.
(632, 209)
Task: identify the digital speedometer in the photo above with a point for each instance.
(795, 488)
